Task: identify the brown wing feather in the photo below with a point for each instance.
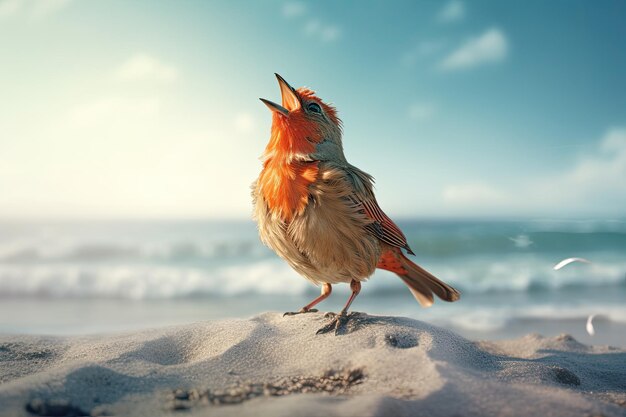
(383, 227)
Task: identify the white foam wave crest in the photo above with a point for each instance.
(489, 318)
(527, 274)
(65, 251)
(273, 276)
(146, 282)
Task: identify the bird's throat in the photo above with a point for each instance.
(286, 176)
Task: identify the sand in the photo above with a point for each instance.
(271, 365)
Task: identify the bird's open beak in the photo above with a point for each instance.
(290, 99)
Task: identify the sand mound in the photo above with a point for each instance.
(274, 365)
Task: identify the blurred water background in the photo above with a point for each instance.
(94, 277)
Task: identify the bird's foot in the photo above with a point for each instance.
(337, 323)
(302, 311)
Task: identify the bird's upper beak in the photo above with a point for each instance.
(290, 98)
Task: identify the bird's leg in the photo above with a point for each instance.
(341, 319)
(326, 290)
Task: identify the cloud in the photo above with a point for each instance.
(594, 185)
(294, 9)
(143, 67)
(606, 170)
(326, 33)
(34, 8)
(421, 111)
(490, 47)
(474, 193)
(452, 12)
(313, 28)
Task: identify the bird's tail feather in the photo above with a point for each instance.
(423, 284)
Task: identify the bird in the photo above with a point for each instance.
(318, 212)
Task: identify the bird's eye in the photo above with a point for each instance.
(314, 108)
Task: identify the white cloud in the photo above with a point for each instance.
(595, 185)
(490, 47)
(323, 32)
(294, 9)
(615, 141)
(143, 67)
(452, 12)
(605, 170)
(473, 193)
(34, 8)
(313, 27)
(421, 111)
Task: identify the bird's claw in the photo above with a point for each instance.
(337, 323)
(302, 311)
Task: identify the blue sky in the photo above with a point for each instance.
(459, 109)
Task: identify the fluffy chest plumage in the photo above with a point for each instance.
(326, 237)
(285, 186)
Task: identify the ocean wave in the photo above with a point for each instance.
(184, 243)
(273, 276)
(164, 252)
(489, 319)
(530, 274)
(168, 260)
(145, 282)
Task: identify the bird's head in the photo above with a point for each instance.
(303, 126)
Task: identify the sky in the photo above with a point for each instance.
(459, 109)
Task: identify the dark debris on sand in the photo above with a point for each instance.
(58, 407)
(54, 408)
(334, 382)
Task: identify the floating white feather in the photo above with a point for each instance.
(569, 261)
(590, 328)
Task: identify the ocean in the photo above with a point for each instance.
(107, 276)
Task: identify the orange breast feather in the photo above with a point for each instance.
(285, 180)
(285, 187)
